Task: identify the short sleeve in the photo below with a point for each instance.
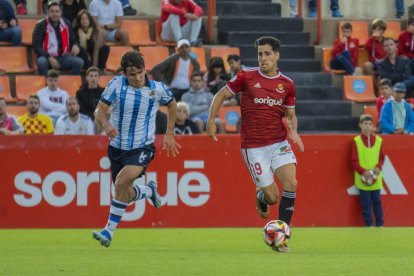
(290, 96)
(109, 94)
(237, 83)
(49, 125)
(93, 9)
(119, 11)
(166, 95)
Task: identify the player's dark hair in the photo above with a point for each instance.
(346, 26)
(132, 59)
(196, 74)
(365, 118)
(92, 69)
(386, 82)
(34, 96)
(268, 40)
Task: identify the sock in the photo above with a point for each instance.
(286, 206)
(115, 214)
(141, 192)
(261, 197)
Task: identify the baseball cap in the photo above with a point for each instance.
(182, 42)
(399, 87)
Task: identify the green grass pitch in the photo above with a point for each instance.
(214, 251)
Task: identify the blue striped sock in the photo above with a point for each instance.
(116, 212)
(142, 192)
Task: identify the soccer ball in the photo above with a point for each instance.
(276, 233)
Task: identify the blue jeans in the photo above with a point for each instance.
(12, 34)
(343, 62)
(125, 3)
(334, 5)
(399, 4)
(371, 200)
(67, 63)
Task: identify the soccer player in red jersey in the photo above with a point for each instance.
(267, 96)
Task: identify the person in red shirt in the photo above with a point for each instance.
(386, 94)
(267, 97)
(375, 48)
(345, 51)
(406, 40)
(181, 19)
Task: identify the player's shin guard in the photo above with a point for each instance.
(116, 212)
(286, 206)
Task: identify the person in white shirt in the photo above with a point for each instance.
(108, 16)
(74, 123)
(52, 98)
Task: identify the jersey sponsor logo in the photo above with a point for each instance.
(280, 88)
(269, 101)
(257, 85)
(284, 150)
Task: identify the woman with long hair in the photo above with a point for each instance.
(216, 76)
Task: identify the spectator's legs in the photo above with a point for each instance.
(71, 63)
(83, 54)
(312, 8)
(343, 61)
(409, 83)
(334, 5)
(376, 203)
(369, 69)
(42, 65)
(122, 37)
(178, 93)
(365, 200)
(12, 35)
(293, 8)
(125, 3)
(103, 57)
(171, 29)
(399, 4)
(191, 29)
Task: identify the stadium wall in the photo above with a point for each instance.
(64, 182)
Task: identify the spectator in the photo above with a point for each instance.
(181, 19)
(312, 8)
(108, 17)
(199, 102)
(55, 43)
(9, 31)
(74, 123)
(8, 124)
(235, 64)
(345, 51)
(397, 117)
(399, 4)
(90, 93)
(395, 68)
(183, 125)
(215, 77)
(128, 9)
(52, 98)
(21, 8)
(386, 94)
(406, 42)
(71, 8)
(375, 48)
(367, 161)
(33, 122)
(94, 52)
(177, 69)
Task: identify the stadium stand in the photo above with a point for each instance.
(16, 110)
(70, 84)
(116, 52)
(158, 26)
(223, 52)
(14, 60)
(5, 90)
(153, 55)
(359, 89)
(27, 26)
(138, 31)
(27, 85)
(359, 30)
(393, 29)
(372, 110)
(104, 80)
(230, 115)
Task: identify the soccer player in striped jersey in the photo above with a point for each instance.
(133, 100)
(267, 96)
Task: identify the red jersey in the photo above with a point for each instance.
(375, 49)
(180, 9)
(406, 44)
(351, 45)
(262, 105)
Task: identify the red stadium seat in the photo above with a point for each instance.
(230, 115)
(114, 59)
(16, 110)
(373, 111)
(359, 89)
(153, 55)
(14, 60)
(104, 80)
(393, 29)
(223, 52)
(138, 31)
(70, 84)
(5, 90)
(359, 30)
(28, 85)
(27, 26)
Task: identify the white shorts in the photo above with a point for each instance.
(262, 162)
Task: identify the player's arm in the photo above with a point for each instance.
(218, 100)
(293, 125)
(101, 116)
(169, 143)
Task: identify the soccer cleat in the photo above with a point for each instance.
(262, 209)
(103, 237)
(283, 248)
(155, 198)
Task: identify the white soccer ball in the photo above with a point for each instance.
(276, 233)
(370, 180)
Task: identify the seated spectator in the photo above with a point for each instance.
(94, 52)
(90, 93)
(55, 43)
(21, 8)
(397, 117)
(128, 9)
(9, 31)
(176, 70)
(345, 51)
(74, 123)
(71, 8)
(406, 42)
(33, 122)
(8, 124)
(395, 68)
(235, 64)
(52, 98)
(215, 77)
(181, 19)
(386, 94)
(108, 17)
(183, 125)
(375, 48)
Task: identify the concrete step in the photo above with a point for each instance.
(309, 78)
(286, 52)
(245, 8)
(249, 37)
(259, 23)
(291, 65)
(317, 124)
(323, 108)
(325, 93)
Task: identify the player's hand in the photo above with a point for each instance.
(111, 131)
(211, 130)
(170, 145)
(294, 136)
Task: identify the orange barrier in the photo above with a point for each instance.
(206, 178)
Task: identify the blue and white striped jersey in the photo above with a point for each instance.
(134, 110)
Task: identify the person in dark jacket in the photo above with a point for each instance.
(90, 93)
(71, 8)
(9, 31)
(55, 43)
